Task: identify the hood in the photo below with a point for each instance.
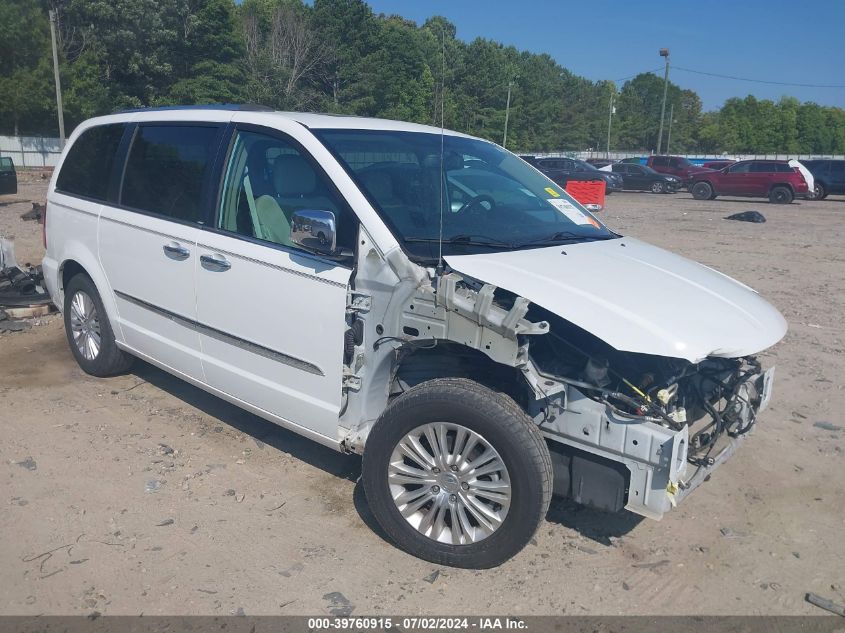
(636, 297)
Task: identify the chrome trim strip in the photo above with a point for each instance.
(223, 337)
(146, 230)
(273, 266)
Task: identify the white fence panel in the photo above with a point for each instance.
(31, 151)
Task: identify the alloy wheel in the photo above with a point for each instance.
(85, 325)
(449, 483)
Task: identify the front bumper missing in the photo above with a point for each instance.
(656, 456)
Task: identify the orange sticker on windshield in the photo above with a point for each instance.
(552, 192)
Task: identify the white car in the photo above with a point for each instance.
(425, 299)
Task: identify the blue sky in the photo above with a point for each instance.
(793, 41)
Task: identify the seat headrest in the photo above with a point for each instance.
(293, 176)
(378, 183)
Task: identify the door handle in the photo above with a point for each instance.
(216, 263)
(175, 251)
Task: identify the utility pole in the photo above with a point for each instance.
(669, 132)
(58, 80)
(664, 52)
(609, 123)
(507, 114)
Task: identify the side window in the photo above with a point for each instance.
(86, 170)
(740, 168)
(6, 164)
(166, 169)
(660, 161)
(674, 163)
(266, 180)
(762, 168)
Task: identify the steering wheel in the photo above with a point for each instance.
(469, 204)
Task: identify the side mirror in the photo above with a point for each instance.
(314, 230)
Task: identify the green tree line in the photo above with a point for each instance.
(339, 56)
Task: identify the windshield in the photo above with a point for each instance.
(492, 200)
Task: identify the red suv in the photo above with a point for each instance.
(772, 179)
(676, 166)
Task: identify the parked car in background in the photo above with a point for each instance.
(829, 177)
(675, 166)
(8, 176)
(562, 170)
(598, 163)
(717, 164)
(633, 160)
(642, 178)
(772, 179)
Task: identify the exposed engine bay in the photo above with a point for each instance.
(665, 422)
(713, 397)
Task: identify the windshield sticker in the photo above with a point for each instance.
(570, 211)
(552, 192)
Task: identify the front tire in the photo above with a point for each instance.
(657, 187)
(457, 474)
(702, 191)
(89, 332)
(780, 195)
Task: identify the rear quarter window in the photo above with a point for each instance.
(86, 170)
(166, 169)
(6, 164)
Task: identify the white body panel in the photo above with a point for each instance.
(291, 306)
(140, 271)
(636, 297)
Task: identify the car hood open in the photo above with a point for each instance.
(636, 297)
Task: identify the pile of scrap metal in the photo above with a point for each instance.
(22, 291)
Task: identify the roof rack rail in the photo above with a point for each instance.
(242, 107)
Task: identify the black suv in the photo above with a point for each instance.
(562, 170)
(8, 176)
(829, 176)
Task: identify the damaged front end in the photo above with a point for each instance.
(626, 429)
(668, 420)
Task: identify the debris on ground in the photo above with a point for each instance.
(339, 605)
(824, 603)
(22, 291)
(36, 213)
(748, 216)
(827, 426)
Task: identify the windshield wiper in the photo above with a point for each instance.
(464, 238)
(565, 236)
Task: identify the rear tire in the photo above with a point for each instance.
(780, 195)
(449, 492)
(819, 192)
(89, 332)
(702, 191)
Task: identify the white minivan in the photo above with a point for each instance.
(421, 297)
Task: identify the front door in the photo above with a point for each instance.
(735, 181)
(273, 315)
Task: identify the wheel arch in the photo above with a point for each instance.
(782, 184)
(448, 359)
(78, 260)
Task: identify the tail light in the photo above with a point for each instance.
(44, 227)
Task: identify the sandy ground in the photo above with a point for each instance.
(141, 494)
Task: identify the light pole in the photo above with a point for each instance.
(664, 52)
(507, 114)
(669, 131)
(609, 122)
(58, 81)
